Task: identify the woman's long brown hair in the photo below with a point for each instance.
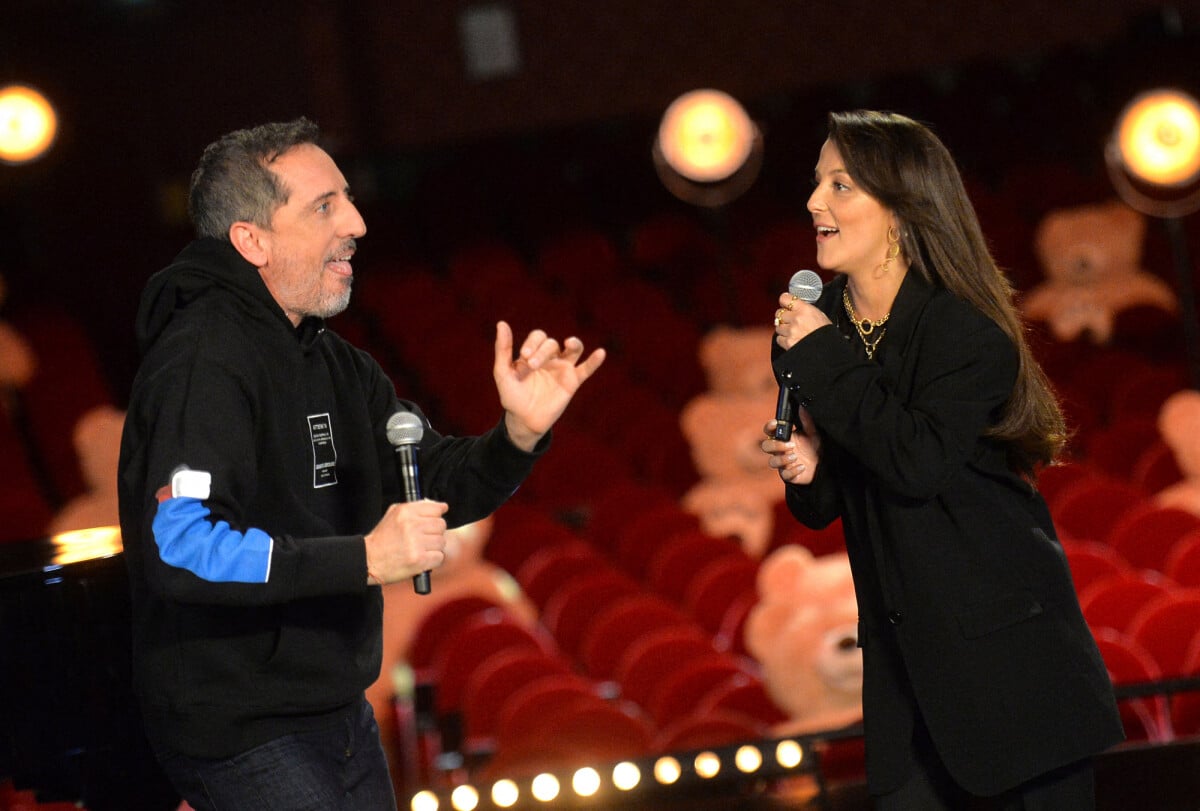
(901, 163)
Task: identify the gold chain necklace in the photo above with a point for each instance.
(865, 327)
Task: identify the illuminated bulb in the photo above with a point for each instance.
(789, 754)
(464, 798)
(1158, 137)
(705, 135)
(505, 793)
(667, 770)
(707, 764)
(748, 759)
(586, 782)
(626, 776)
(28, 124)
(545, 787)
(424, 801)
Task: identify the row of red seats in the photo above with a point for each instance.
(14, 799)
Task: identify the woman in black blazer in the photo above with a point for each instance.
(922, 420)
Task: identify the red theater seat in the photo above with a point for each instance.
(1112, 602)
(744, 694)
(471, 643)
(1165, 627)
(1183, 562)
(571, 608)
(675, 564)
(495, 679)
(438, 625)
(1129, 663)
(620, 624)
(1155, 469)
(1088, 508)
(720, 728)
(1185, 707)
(546, 570)
(1145, 534)
(1092, 560)
(654, 656)
(680, 691)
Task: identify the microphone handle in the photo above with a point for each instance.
(783, 415)
(411, 482)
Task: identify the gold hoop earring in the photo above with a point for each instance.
(893, 238)
(893, 252)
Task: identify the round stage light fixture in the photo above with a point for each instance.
(1153, 159)
(28, 124)
(1153, 155)
(1158, 137)
(708, 150)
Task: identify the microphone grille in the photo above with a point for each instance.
(805, 285)
(404, 428)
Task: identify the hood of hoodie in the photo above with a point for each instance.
(205, 266)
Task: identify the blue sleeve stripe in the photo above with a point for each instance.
(214, 552)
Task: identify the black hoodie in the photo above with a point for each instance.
(252, 617)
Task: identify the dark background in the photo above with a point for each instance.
(438, 158)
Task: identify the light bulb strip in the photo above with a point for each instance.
(629, 781)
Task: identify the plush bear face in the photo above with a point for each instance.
(1090, 244)
(1179, 424)
(804, 634)
(725, 433)
(1091, 257)
(735, 507)
(738, 360)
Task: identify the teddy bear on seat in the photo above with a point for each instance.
(724, 428)
(97, 440)
(1179, 426)
(804, 634)
(1091, 256)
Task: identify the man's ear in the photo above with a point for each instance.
(250, 242)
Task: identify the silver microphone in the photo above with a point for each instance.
(806, 286)
(404, 432)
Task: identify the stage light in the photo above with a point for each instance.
(1153, 158)
(746, 763)
(707, 765)
(1153, 155)
(626, 776)
(464, 798)
(1158, 137)
(667, 770)
(789, 754)
(545, 787)
(28, 124)
(705, 135)
(748, 759)
(586, 782)
(424, 801)
(505, 793)
(708, 150)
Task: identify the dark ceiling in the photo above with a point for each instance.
(142, 85)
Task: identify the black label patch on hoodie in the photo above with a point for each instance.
(324, 454)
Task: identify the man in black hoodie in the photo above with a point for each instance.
(259, 494)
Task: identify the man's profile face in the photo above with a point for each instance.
(312, 236)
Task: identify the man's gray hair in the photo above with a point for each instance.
(234, 181)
